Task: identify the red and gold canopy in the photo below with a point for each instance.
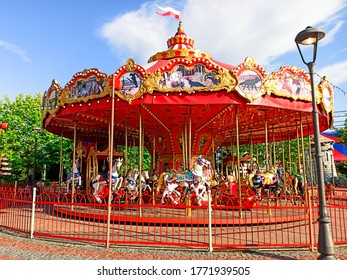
(183, 91)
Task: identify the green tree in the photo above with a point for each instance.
(20, 140)
(133, 158)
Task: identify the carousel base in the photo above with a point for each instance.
(176, 215)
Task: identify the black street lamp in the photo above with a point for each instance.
(311, 36)
(37, 131)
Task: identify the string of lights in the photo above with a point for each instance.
(332, 85)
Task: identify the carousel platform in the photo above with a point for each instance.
(181, 215)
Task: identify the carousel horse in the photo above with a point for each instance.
(268, 180)
(153, 182)
(171, 182)
(117, 180)
(195, 179)
(100, 182)
(231, 184)
(75, 176)
(298, 184)
(293, 184)
(101, 188)
(133, 181)
(144, 179)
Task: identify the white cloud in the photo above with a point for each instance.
(14, 49)
(228, 30)
(262, 29)
(137, 34)
(336, 71)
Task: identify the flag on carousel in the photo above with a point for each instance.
(168, 11)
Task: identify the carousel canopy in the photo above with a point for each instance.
(339, 149)
(183, 93)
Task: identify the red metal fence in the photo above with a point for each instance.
(269, 224)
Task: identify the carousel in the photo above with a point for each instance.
(182, 107)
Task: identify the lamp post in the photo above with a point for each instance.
(36, 130)
(311, 36)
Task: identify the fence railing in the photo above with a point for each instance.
(220, 224)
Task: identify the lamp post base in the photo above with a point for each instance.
(325, 241)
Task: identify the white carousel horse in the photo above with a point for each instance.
(171, 183)
(202, 175)
(144, 179)
(100, 182)
(75, 175)
(133, 181)
(101, 189)
(196, 179)
(117, 180)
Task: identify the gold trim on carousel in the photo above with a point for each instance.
(324, 86)
(131, 67)
(65, 99)
(272, 83)
(46, 97)
(227, 79)
(250, 65)
(183, 53)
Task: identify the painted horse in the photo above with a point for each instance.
(133, 181)
(75, 176)
(172, 180)
(195, 180)
(101, 182)
(268, 180)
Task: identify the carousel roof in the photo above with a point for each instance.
(181, 92)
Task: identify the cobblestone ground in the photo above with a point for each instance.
(14, 246)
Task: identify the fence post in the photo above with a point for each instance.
(209, 209)
(33, 214)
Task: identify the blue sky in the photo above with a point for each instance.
(42, 40)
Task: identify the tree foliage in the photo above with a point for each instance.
(21, 144)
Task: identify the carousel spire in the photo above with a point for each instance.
(180, 28)
(179, 45)
(180, 40)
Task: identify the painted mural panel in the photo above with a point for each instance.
(86, 88)
(193, 77)
(130, 83)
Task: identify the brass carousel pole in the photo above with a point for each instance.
(61, 160)
(238, 156)
(213, 156)
(266, 144)
(303, 161)
(190, 137)
(273, 146)
(232, 155)
(154, 151)
(289, 156)
(283, 161)
(111, 126)
(153, 168)
(186, 146)
(231, 149)
(73, 163)
(298, 147)
(126, 150)
(184, 159)
(251, 150)
(140, 160)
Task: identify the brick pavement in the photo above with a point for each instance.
(14, 246)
